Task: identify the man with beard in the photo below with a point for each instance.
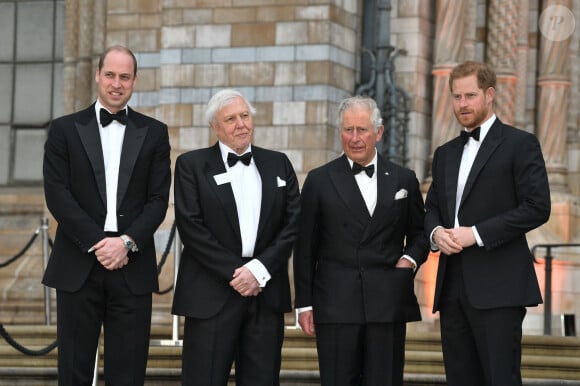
(489, 188)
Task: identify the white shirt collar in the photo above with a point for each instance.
(99, 106)
(484, 127)
(225, 149)
(373, 162)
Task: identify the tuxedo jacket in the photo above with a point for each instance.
(344, 260)
(505, 196)
(207, 221)
(75, 191)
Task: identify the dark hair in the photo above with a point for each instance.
(118, 48)
(485, 75)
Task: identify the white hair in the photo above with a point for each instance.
(360, 101)
(221, 99)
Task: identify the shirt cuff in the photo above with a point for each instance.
(434, 246)
(302, 309)
(259, 271)
(477, 237)
(407, 257)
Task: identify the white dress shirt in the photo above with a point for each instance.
(367, 185)
(112, 142)
(469, 153)
(247, 187)
(369, 190)
(470, 150)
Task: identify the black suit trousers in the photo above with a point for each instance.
(481, 347)
(371, 354)
(246, 331)
(103, 300)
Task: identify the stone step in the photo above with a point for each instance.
(544, 358)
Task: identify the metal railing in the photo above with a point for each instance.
(42, 230)
(548, 280)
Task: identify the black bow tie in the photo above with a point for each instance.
(234, 158)
(107, 117)
(473, 134)
(357, 168)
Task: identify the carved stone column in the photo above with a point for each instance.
(84, 30)
(522, 67)
(448, 46)
(501, 49)
(553, 101)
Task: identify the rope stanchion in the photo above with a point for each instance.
(22, 252)
(163, 259)
(45, 258)
(48, 243)
(23, 349)
(174, 341)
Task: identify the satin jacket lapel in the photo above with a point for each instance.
(91, 139)
(386, 189)
(132, 143)
(223, 192)
(452, 163)
(488, 146)
(347, 189)
(269, 184)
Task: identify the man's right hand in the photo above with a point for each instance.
(306, 321)
(445, 241)
(111, 253)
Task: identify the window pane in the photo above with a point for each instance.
(33, 88)
(34, 36)
(28, 154)
(4, 153)
(6, 31)
(6, 94)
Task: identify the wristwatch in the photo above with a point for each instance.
(129, 244)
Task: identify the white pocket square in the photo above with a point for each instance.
(401, 194)
(280, 182)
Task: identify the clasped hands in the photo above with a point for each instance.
(451, 241)
(245, 283)
(111, 253)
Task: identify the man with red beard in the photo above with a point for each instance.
(489, 188)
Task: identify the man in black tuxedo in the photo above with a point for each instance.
(106, 179)
(236, 209)
(361, 239)
(489, 188)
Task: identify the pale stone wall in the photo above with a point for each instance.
(295, 60)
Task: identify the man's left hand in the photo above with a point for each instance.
(404, 263)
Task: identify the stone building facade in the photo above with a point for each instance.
(296, 59)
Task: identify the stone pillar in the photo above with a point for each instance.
(69, 55)
(501, 54)
(553, 98)
(78, 51)
(448, 46)
(522, 67)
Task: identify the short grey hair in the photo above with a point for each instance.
(223, 98)
(360, 101)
